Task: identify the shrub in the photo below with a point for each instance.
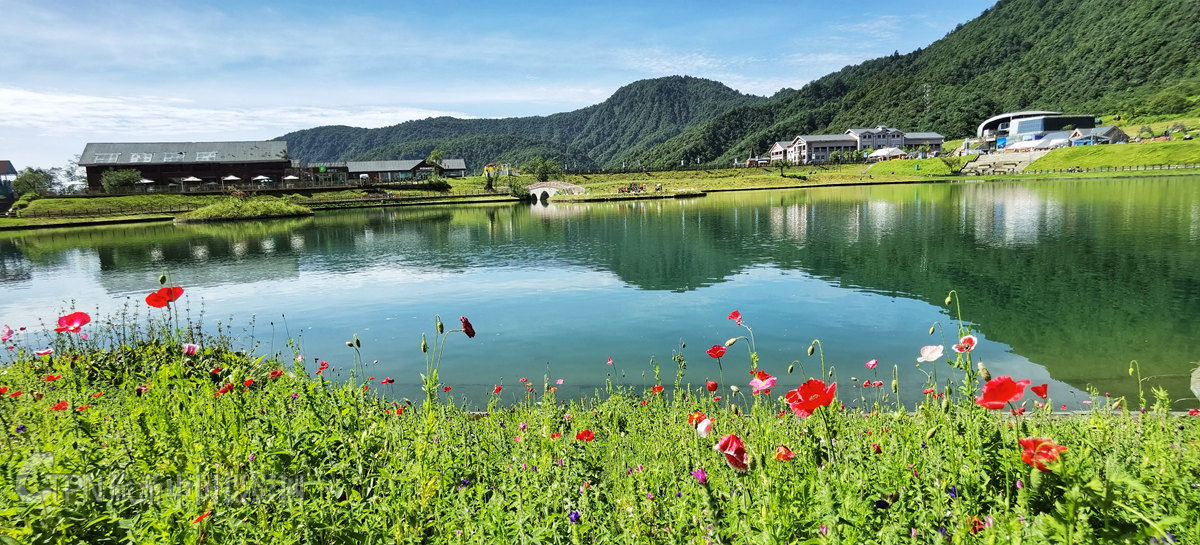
(120, 181)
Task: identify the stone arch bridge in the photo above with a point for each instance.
(542, 191)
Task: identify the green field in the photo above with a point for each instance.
(1175, 152)
(910, 167)
(233, 208)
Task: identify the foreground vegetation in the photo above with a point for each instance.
(144, 429)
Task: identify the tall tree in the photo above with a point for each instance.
(33, 180)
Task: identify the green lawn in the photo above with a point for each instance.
(1175, 152)
(910, 167)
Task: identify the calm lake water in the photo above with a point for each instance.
(1065, 282)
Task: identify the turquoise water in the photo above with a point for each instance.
(1064, 282)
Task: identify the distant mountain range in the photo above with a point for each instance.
(1082, 56)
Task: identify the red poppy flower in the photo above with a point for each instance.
(555, 435)
(52, 378)
(370, 379)
(497, 389)
(927, 391)
(877, 383)
(446, 389)
(735, 452)
(387, 380)
(716, 398)
(1019, 411)
(201, 517)
(3, 389)
(97, 394)
(164, 296)
(16, 394)
(1001, 390)
(696, 417)
(736, 317)
(965, 344)
(1038, 451)
(1040, 390)
(875, 447)
(716, 351)
(657, 389)
(1194, 412)
(82, 408)
(216, 370)
(585, 435)
(783, 454)
(277, 373)
(711, 385)
(72, 322)
(466, 327)
(248, 382)
(809, 396)
(60, 406)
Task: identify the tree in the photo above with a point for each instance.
(780, 164)
(543, 169)
(33, 180)
(1145, 132)
(120, 181)
(435, 159)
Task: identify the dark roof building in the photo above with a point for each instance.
(405, 169)
(7, 173)
(172, 162)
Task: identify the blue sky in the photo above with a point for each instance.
(76, 72)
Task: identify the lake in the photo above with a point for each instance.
(1064, 282)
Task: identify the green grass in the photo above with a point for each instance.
(138, 410)
(909, 167)
(122, 205)
(1175, 152)
(233, 208)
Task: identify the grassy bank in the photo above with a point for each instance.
(149, 430)
(233, 208)
(1175, 152)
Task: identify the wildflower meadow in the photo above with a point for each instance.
(144, 428)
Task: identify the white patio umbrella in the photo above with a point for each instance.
(190, 179)
(230, 178)
(260, 178)
(145, 181)
(289, 177)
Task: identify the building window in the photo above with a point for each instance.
(105, 157)
(173, 157)
(206, 156)
(140, 157)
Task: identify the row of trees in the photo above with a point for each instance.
(46, 181)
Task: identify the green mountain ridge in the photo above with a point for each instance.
(1079, 56)
(636, 117)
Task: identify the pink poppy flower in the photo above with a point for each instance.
(559, 382)
(871, 364)
(1000, 391)
(927, 391)
(931, 353)
(610, 360)
(704, 427)
(6, 333)
(72, 322)
(736, 317)
(190, 349)
(762, 383)
(965, 344)
(45, 352)
(877, 383)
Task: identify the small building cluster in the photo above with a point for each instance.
(887, 141)
(1035, 130)
(7, 173)
(201, 166)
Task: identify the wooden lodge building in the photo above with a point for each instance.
(412, 169)
(189, 165)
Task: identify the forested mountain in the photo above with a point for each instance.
(635, 117)
(1078, 56)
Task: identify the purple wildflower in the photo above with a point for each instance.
(700, 476)
(573, 516)
(20, 428)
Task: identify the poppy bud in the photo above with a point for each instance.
(424, 345)
(790, 367)
(931, 329)
(947, 298)
(730, 342)
(733, 388)
(983, 372)
(682, 345)
(812, 348)
(356, 343)
(440, 328)
(932, 431)
(162, 279)
(895, 386)
(349, 344)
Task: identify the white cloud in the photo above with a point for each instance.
(882, 26)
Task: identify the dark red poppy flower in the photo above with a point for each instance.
(657, 389)
(1000, 391)
(497, 389)
(736, 317)
(1040, 391)
(585, 435)
(875, 447)
(1037, 451)
(60, 406)
(72, 322)
(810, 396)
(735, 452)
(1018, 411)
(277, 373)
(142, 389)
(716, 351)
(164, 296)
(466, 327)
(711, 385)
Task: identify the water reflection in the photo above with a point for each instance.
(1079, 277)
